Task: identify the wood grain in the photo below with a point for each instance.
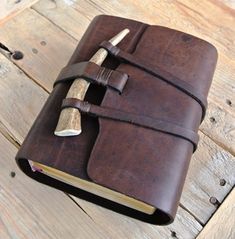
(38, 39)
(184, 226)
(9, 8)
(21, 99)
(222, 223)
(219, 125)
(55, 10)
(209, 165)
(185, 15)
(32, 210)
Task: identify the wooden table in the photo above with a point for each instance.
(47, 32)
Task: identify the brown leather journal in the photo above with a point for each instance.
(139, 123)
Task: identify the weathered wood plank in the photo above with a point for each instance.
(18, 101)
(229, 3)
(20, 123)
(220, 126)
(10, 8)
(223, 85)
(38, 39)
(185, 15)
(194, 197)
(222, 224)
(31, 210)
(183, 227)
(56, 9)
(210, 164)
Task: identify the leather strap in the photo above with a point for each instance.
(158, 72)
(140, 120)
(94, 74)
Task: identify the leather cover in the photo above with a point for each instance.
(141, 162)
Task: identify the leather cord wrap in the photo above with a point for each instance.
(140, 120)
(94, 74)
(158, 72)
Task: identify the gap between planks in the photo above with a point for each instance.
(59, 27)
(225, 214)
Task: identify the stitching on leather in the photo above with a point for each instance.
(106, 75)
(99, 75)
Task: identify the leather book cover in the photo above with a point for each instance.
(139, 142)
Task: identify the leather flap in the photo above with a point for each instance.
(143, 163)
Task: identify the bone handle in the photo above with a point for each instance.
(69, 123)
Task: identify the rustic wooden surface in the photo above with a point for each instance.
(9, 8)
(215, 228)
(47, 33)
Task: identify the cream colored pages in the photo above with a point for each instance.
(94, 188)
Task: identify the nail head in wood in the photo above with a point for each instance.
(212, 120)
(222, 182)
(17, 55)
(13, 174)
(214, 201)
(229, 102)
